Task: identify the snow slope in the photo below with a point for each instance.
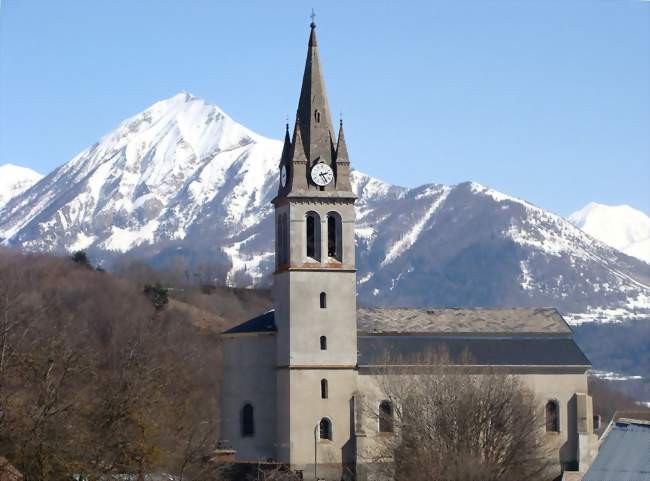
(185, 186)
(621, 227)
(14, 180)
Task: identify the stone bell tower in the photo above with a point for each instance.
(314, 285)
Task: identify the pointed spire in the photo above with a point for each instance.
(287, 138)
(341, 147)
(313, 113)
(313, 137)
(312, 34)
(286, 148)
(297, 150)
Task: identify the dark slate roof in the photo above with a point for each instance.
(624, 455)
(480, 321)
(494, 351)
(483, 321)
(263, 323)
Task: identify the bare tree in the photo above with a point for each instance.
(451, 424)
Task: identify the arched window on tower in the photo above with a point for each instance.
(317, 116)
(323, 389)
(385, 417)
(334, 237)
(323, 343)
(247, 421)
(323, 300)
(313, 235)
(282, 239)
(552, 417)
(325, 426)
(285, 239)
(279, 241)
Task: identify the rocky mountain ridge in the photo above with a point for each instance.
(183, 184)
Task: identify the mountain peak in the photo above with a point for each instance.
(183, 182)
(14, 180)
(619, 226)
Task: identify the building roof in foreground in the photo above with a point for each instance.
(476, 351)
(450, 321)
(624, 454)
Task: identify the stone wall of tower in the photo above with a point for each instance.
(298, 286)
(302, 363)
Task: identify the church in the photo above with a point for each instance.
(294, 377)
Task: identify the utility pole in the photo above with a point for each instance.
(315, 452)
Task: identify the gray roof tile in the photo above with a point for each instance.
(483, 351)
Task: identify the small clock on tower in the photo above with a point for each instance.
(283, 176)
(321, 174)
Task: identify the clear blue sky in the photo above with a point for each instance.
(545, 100)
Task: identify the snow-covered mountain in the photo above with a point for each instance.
(15, 180)
(184, 185)
(619, 226)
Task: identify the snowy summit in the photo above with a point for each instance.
(620, 226)
(183, 184)
(15, 180)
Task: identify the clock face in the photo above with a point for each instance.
(283, 176)
(322, 174)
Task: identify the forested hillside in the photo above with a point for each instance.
(95, 379)
(119, 373)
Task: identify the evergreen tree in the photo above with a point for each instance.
(157, 294)
(81, 258)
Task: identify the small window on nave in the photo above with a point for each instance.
(552, 415)
(325, 427)
(385, 417)
(323, 343)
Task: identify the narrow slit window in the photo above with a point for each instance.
(247, 421)
(323, 343)
(324, 393)
(323, 300)
(311, 248)
(317, 116)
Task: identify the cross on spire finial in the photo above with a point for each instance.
(313, 18)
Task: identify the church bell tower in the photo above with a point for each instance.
(314, 285)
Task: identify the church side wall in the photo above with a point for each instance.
(562, 388)
(249, 364)
(559, 387)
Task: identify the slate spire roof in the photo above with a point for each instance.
(313, 137)
(341, 147)
(313, 113)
